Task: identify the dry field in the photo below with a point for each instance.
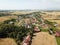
(52, 16)
(43, 38)
(3, 18)
(22, 12)
(7, 41)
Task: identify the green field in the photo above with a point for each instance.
(58, 40)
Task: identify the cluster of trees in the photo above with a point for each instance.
(53, 28)
(8, 21)
(38, 17)
(49, 23)
(4, 14)
(14, 31)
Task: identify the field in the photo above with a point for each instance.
(43, 38)
(7, 41)
(53, 17)
(4, 18)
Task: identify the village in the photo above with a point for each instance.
(31, 29)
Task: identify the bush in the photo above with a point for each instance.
(53, 28)
(47, 22)
(13, 31)
(8, 21)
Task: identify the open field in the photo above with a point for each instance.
(52, 16)
(7, 41)
(43, 38)
(58, 21)
(22, 12)
(3, 18)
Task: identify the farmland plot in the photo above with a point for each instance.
(43, 38)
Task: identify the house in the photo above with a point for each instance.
(36, 29)
(11, 22)
(55, 25)
(26, 41)
(28, 26)
(57, 33)
(33, 20)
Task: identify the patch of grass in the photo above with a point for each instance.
(58, 40)
(44, 30)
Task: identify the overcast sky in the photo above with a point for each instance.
(30, 4)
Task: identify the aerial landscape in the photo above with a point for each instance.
(29, 22)
(31, 27)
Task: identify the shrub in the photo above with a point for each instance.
(8, 21)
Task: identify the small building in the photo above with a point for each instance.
(26, 41)
(11, 22)
(57, 33)
(36, 29)
(28, 26)
(55, 25)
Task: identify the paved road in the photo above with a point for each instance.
(43, 38)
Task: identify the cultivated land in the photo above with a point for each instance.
(4, 18)
(52, 16)
(7, 41)
(43, 38)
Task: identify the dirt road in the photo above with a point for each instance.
(43, 38)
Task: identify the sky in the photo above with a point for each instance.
(29, 4)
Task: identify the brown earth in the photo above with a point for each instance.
(4, 18)
(43, 38)
(7, 41)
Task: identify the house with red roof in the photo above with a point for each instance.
(57, 33)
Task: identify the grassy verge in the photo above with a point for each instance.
(58, 40)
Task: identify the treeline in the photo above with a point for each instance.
(4, 14)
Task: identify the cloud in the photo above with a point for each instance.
(55, 0)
